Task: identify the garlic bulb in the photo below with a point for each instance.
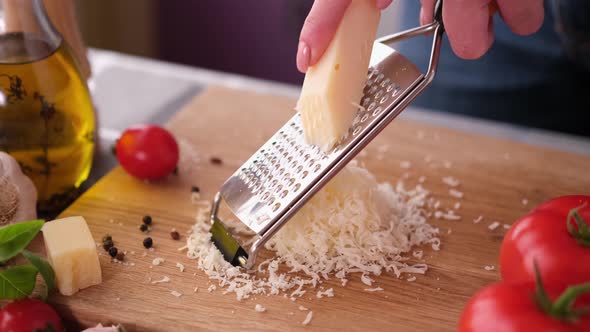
(18, 195)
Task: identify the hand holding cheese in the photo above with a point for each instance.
(71, 251)
(334, 85)
(320, 27)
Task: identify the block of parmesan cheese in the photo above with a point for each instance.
(334, 85)
(71, 251)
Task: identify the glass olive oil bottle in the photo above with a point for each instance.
(47, 120)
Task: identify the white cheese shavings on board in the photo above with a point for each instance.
(493, 225)
(322, 240)
(366, 280)
(450, 181)
(161, 281)
(449, 215)
(326, 293)
(418, 254)
(259, 308)
(308, 318)
(376, 289)
(158, 261)
(455, 193)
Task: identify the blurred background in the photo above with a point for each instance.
(539, 80)
(256, 38)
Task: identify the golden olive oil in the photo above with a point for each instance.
(47, 120)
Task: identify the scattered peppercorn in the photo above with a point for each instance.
(175, 235)
(195, 189)
(108, 244)
(147, 220)
(148, 242)
(106, 238)
(143, 228)
(120, 256)
(113, 252)
(216, 161)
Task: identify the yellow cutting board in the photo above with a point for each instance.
(496, 176)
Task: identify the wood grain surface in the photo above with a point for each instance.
(497, 177)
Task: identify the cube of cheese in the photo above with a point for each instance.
(334, 85)
(71, 251)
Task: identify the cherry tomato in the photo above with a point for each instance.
(147, 152)
(29, 315)
(542, 235)
(512, 308)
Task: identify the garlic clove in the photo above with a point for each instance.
(18, 195)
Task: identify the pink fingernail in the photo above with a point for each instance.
(303, 57)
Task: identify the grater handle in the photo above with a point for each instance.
(438, 6)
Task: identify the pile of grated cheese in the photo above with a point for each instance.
(354, 225)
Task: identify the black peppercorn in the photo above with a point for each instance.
(143, 228)
(147, 242)
(195, 189)
(175, 235)
(216, 161)
(106, 238)
(113, 252)
(120, 256)
(147, 220)
(108, 244)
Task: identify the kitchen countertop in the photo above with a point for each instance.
(129, 90)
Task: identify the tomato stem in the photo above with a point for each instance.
(563, 304)
(562, 307)
(581, 231)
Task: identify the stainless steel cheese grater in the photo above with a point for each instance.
(271, 186)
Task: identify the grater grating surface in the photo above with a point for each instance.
(285, 167)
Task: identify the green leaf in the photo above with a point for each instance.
(44, 268)
(15, 238)
(17, 282)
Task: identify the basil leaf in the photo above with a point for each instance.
(17, 282)
(44, 268)
(15, 238)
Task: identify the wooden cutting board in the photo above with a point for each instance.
(501, 181)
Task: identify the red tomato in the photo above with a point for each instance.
(505, 307)
(542, 235)
(29, 315)
(147, 152)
